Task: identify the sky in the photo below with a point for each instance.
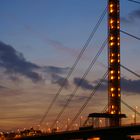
(39, 42)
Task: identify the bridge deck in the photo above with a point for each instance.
(98, 132)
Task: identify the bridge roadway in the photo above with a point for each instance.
(108, 133)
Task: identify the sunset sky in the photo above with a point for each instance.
(39, 42)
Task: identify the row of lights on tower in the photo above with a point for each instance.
(111, 8)
(112, 21)
(114, 43)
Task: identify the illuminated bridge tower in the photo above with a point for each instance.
(114, 97)
(114, 106)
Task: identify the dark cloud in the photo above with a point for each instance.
(84, 84)
(131, 17)
(56, 70)
(127, 85)
(3, 87)
(56, 79)
(55, 74)
(14, 78)
(80, 98)
(103, 86)
(14, 62)
(132, 86)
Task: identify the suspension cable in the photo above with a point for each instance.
(105, 109)
(130, 70)
(74, 65)
(124, 32)
(88, 99)
(134, 1)
(131, 108)
(80, 83)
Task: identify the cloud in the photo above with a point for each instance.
(84, 84)
(131, 17)
(14, 78)
(56, 70)
(14, 63)
(3, 87)
(56, 79)
(103, 86)
(55, 74)
(127, 85)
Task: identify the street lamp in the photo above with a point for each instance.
(47, 125)
(135, 118)
(76, 125)
(49, 130)
(57, 124)
(38, 126)
(68, 120)
(81, 118)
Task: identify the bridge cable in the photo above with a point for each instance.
(130, 70)
(124, 32)
(74, 65)
(134, 1)
(88, 99)
(80, 82)
(131, 108)
(105, 109)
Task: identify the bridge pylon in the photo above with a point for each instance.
(114, 89)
